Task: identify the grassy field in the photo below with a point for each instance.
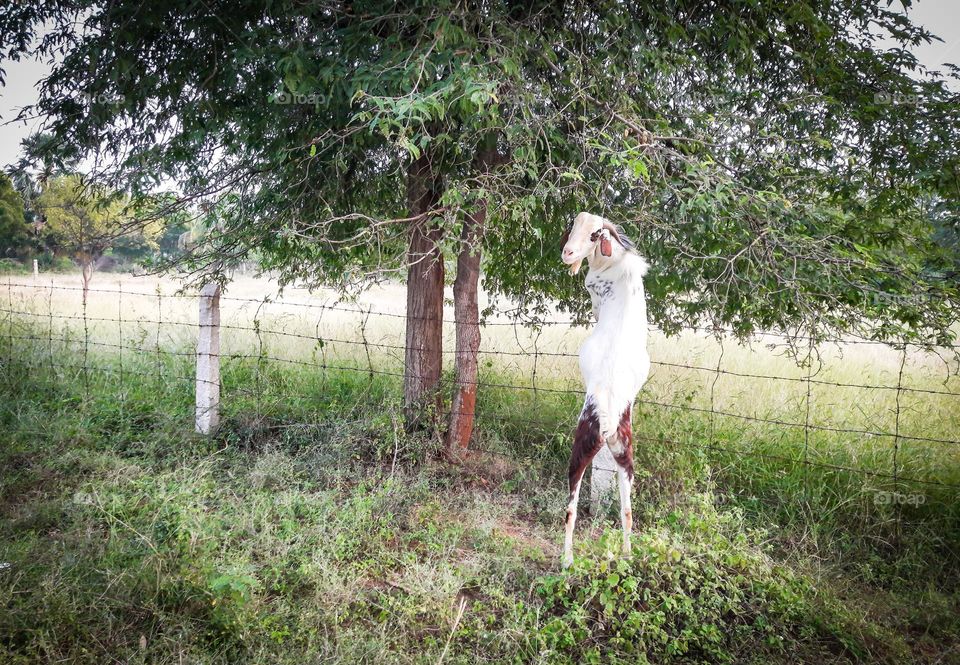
(313, 529)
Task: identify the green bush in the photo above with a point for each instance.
(696, 588)
(13, 267)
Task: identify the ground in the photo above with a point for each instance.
(312, 528)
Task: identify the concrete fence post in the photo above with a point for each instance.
(208, 360)
(36, 269)
(603, 480)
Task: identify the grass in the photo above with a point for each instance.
(314, 529)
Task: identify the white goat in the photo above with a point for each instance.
(613, 359)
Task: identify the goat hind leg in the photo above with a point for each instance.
(570, 523)
(622, 455)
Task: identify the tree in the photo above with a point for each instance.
(42, 156)
(467, 311)
(14, 232)
(82, 222)
(770, 157)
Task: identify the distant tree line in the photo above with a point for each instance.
(54, 214)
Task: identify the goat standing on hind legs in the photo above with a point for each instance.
(613, 359)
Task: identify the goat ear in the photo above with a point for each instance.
(612, 228)
(605, 248)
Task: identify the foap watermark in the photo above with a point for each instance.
(900, 299)
(715, 102)
(896, 99)
(682, 499)
(105, 98)
(897, 499)
(84, 499)
(313, 99)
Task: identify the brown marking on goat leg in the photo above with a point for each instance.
(586, 443)
(625, 435)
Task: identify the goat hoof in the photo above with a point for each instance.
(566, 561)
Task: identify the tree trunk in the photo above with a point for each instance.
(467, 314)
(86, 274)
(467, 311)
(423, 359)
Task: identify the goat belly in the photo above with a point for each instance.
(594, 359)
(613, 375)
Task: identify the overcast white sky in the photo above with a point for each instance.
(941, 17)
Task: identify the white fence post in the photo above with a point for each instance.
(36, 269)
(208, 360)
(603, 480)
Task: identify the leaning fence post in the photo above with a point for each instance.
(208, 360)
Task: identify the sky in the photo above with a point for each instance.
(941, 17)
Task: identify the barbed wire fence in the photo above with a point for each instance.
(44, 328)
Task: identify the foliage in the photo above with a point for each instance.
(691, 592)
(42, 157)
(80, 224)
(771, 158)
(14, 232)
(13, 267)
(175, 225)
(153, 231)
(84, 222)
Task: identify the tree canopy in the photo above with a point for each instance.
(772, 159)
(79, 221)
(83, 221)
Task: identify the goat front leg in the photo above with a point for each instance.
(586, 443)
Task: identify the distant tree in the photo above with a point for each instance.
(41, 158)
(14, 232)
(169, 245)
(82, 221)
